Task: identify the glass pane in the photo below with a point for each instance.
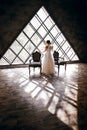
(65, 46)
(42, 31)
(10, 55)
(75, 57)
(22, 38)
(66, 58)
(60, 39)
(3, 62)
(36, 39)
(41, 46)
(48, 23)
(70, 52)
(23, 55)
(55, 31)
(16, 47)
(55, 46)
(35, 22)
(29, 47)
(42, 14)
(17, 61)
(48, 37)
(27, 62)
(28, 30)
(60, 53)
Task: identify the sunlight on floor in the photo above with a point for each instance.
(57, 94)
(30, 87)
(68, 108)
(62, 103)
(52, 107)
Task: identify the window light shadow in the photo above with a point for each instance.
(56, 94)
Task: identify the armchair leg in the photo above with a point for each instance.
(58, 68)
(65, 66)
(34, 69)
(40, 69)
(29, 70)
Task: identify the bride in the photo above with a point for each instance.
(48, 60)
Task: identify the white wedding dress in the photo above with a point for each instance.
(48, 66)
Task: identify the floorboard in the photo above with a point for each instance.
(38, 102)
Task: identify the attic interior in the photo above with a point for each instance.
(23, 109)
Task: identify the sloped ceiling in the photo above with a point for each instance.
(69, 15)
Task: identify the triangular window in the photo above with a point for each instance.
(40, 28)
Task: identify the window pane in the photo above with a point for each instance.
(22, 38)
(28, 30)
(16, 47)
(41, 46)
(3, 62)
(55, 31)
(23, 55)
(65, 46)
(55, 46)
(35, 22)
(42, 31)
(10, 55)
(42, 14)
(70, 52)
(75, 57)
(66, 58)
(17, 61)
(60, 53)
(27, 62)
(36, 39)
(48, 23)
(60, 39)
(48, 37)
(29, 47)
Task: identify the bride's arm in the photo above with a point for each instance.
(46, 47)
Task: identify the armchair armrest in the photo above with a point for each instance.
(61, 59)
(30, 60)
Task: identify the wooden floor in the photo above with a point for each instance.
(38, 102)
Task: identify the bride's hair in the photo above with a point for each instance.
(48, 42)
